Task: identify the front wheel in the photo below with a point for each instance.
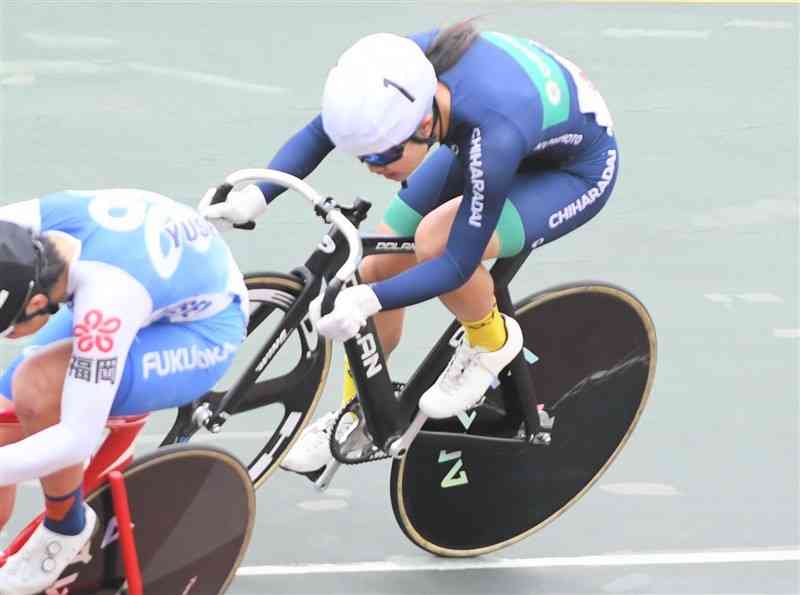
(284, 364)
(590, 350)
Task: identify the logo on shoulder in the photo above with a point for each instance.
(96, 330)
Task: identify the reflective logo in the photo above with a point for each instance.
(272, 350)
(588, 197)
(394, 246)
(194, 308)
(456, 476)
(564, 139)
(369, 354)
(476, 178)
(184, 359)
(188, 310)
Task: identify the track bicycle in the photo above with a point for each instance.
(160, 527)
(557, 417)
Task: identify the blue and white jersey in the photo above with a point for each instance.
(142, 260)
(166, 252)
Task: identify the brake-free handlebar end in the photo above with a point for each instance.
(221, 195)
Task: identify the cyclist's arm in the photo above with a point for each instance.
(490, 157)
(110, 301)
(299, 156)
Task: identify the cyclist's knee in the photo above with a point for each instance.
(9, 433)
(430, 239)
(429, 242)
(378, 267)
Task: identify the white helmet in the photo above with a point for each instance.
(377, 94)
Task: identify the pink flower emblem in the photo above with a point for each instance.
(95, 331)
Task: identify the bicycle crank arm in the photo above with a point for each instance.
(399, 447)
(324, 480)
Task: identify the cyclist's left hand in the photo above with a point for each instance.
(240, 207)
(350, 312)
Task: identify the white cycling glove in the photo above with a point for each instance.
(350, 312)
(240, 207)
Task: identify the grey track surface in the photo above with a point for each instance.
(702, 227)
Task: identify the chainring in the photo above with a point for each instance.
(354, 445)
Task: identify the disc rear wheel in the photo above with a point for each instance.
(591, 353)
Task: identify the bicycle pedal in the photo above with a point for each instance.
(321, 478)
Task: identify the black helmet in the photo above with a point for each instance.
(19, 271)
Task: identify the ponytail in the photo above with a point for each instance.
(450, 44)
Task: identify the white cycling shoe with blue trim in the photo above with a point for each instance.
(43, 558)
(470, 373)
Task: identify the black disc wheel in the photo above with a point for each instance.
(192, 510)
(590, 350)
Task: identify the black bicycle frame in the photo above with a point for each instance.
(387, 415)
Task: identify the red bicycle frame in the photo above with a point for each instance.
(107, 465)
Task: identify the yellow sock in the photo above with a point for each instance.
(489, 332)
(349, 384)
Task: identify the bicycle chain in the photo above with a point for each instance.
(350, 408)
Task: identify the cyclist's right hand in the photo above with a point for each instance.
(240, 207)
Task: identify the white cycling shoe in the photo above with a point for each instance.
(312, 451)
(43, 558)
(470, 373)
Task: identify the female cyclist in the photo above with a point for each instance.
(137, 330)
(527, 155)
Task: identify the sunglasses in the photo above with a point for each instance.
(395, 153)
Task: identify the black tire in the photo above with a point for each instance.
(285, 393)
(466, 492)
(192, 509)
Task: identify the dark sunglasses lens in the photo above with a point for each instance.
(385, 158)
